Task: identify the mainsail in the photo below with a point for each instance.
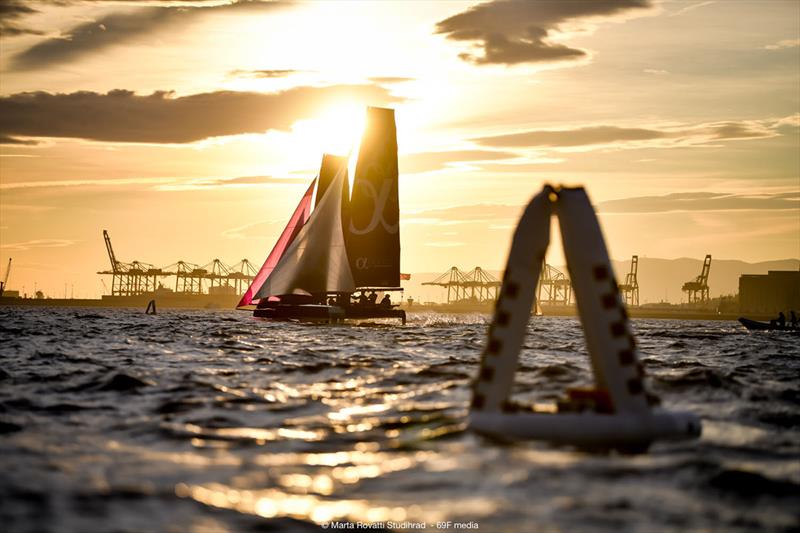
(293, 227)
(316, 261)
(373, 232)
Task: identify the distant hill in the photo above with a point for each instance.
(659, 279)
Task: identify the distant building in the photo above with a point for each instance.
(778, 290)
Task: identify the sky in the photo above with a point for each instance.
(190, 129)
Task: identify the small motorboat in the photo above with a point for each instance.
(755, 325)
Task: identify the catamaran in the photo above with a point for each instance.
(346, 246)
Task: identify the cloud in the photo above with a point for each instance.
(786, 43)
(121, 27)
(10, 11)
(256, 230)
(462, 214)
(573, 137)
(242, 181)
(5, 139)
(123, 116)
(39, 243)
(522, 31)
(389, 79)
(701, 201)
(278, 73)
(676, 202)
(607, 135)
(428, 161)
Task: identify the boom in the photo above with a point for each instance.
(5, 279)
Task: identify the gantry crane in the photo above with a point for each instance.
(453, 279)
(128, 279)
(630, 289)
(554, 287)
(477, 285)
(697, 289)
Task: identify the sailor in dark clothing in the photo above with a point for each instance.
(362, 300)
(373, 298)
(781, 319)
(793, 318)
(386, 301)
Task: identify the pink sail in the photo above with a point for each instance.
(296, 222)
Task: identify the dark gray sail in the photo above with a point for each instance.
(373, 233)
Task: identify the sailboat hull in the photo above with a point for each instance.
(327, 313)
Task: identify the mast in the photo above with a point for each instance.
(373, 232)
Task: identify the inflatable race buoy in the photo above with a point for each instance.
(618, 412)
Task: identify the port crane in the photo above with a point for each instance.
(554, 287)
(477, 285)
(4, 283)
(697, 289)
(129, 279)
(453, 280)
(630, 289)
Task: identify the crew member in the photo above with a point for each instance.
(386, 301)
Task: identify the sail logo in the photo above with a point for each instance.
(379, 201)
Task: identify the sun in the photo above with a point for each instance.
(336, 131)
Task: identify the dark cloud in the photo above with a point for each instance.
(278, 73)
(10, 11)
(701, 201)
(120, 27)
(738, 130)
(518, 31)
(5, 139)
(123, 116)
(427, 161)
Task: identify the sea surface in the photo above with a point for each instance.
(113, 420)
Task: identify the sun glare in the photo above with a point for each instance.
(337, 131)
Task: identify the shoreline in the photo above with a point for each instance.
(228, 302)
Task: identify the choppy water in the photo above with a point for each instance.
(112, 420)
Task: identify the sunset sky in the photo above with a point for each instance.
(190, 129)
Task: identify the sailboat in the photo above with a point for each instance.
(346, 245)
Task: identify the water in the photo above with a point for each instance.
(112, 420)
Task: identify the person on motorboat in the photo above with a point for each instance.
(362, 299)
(793, 318)
(386, 302)
(781, 321)
(373, 298)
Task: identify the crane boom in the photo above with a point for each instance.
(5, 279)
(114, 265)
